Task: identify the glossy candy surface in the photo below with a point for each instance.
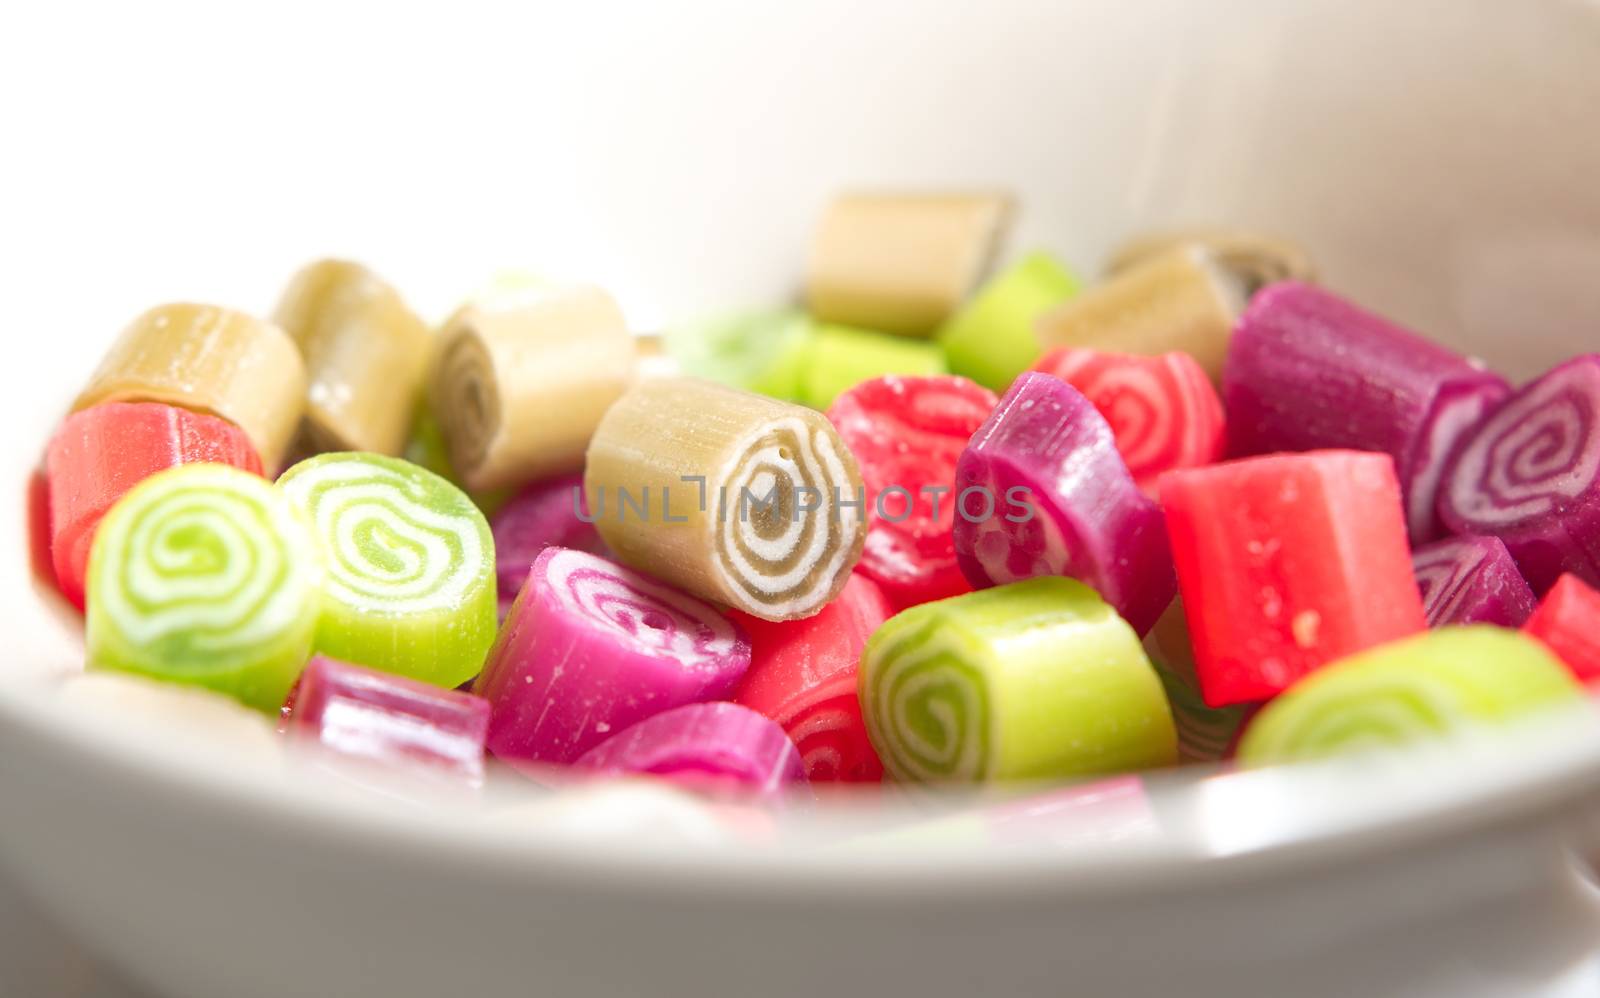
(545, 514)
(1567, 621)
(718, 748)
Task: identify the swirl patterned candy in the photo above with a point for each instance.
(1471, 580)
(1035, 680)
(410, 585)
(206, 575)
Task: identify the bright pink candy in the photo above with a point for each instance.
(545, 514)
(721, 748)
(590, 648)
(389, 719)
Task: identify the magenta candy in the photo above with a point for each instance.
(389, 719)
(545, 514)
(1529, 474)
(590, 648)
(1307, 370)
(1063, 503)
(1471, 580)
(717, 747)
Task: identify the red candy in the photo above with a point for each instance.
(100, 453)
(1163, 411)
(906, 433)
(803, 676)
(1286, 563)
(1568, 622)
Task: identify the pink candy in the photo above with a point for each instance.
(721, 748)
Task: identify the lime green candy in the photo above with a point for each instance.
(208, 576)
(991, 339)
(759, 351)
(1034, 680)
(1434, 684)
(410, 583)
(842, 357)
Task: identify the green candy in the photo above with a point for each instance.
(1205, 733)
(761, 351)
(1034, 680)
(1438, 683)
(841, 357)
(991, 338)
(208, 576)
(426, 449)
(410, 583)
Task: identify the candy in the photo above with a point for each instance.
(397, 722)
(1529, 474)
(1258, 260)
(1567, 621)
(1471, 580)
(410, 585)
(803, 676)
(652, 359)
(545, 514)
(425, 447)
(1436, 684)
(839, 358)
(1034, 680)
(590, 648)
(906, 435)
(991, 339)
(1287, 563)
(101, 452)
(365, 353)
(1180, 301)
(206, 575)
(901, 262)
(518, 391)
(721, 748)
(1309, 371)
(210, 360)
(1162, 410)
(732, 497)
(1205, 733)
(763, 351)
(1041, 490)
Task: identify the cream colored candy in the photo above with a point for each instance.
(1257, 259)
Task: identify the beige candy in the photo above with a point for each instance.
(1257, 259)
(902, 263)
(211, 360)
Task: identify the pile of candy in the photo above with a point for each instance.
(1214, 511)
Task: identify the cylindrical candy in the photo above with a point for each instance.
(906, 435)
(803, 676)
(1529, 474)
(1439, 683)
(1471, 580)
(735, 498)
(1310, 371)
(1257, 259)
(720, 748)
(365, 353)
(1034, 680)
(901, 263)
(991, 338)
(1205, 733)
(1162, 410)
(1179, 301)
(518, 391)
(590, 648)
(759, 351)
(840, 357)
(101, 452)
(545, 514)
(206, 575)
(410, 585)
(1041, 490)
(210, 360)
(1567, 621)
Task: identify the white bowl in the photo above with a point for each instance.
(1440, 159)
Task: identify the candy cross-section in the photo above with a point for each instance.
(1471, 580)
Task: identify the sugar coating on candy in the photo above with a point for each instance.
(1471, 580)
(803, 675)
(907, 435)
(1307, 370)
(721, 748)
(1529, 474)
(1034, 680)
(545, 514)
(390, 720)
(99, 453)
(410, 586)
(590, 647)
(1426, 686)
(991, 338)
(1042, 490)
(1567, 621)
(206, 575)
(1162, 410)
(1286, 563)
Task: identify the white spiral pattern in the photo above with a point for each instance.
(921, 679)
(1443, 573)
